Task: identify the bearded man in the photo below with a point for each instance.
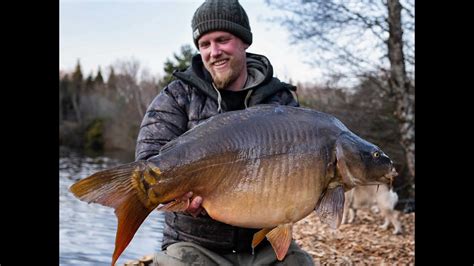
(222, 77)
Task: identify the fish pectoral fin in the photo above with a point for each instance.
(175, 206)
(280, 238)
(259, 236)
(330, 207)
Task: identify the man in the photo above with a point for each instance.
(223, 77)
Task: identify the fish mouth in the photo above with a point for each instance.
(388, 178)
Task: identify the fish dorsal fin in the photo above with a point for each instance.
(175, 206)
(280, 238)
(259, 236)
(331, 206)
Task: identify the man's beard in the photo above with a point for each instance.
(223, 79)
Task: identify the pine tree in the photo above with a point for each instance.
(77, 78)
(77, 87)
(99, 80)
(64, 98)
(112, 80)
(89, 85)
(180, 62)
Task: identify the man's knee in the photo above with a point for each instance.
(185, 253)
(296, 256)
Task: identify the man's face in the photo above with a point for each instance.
(224, 57)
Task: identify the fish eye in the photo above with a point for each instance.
(376, 154)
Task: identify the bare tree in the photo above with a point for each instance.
(127, 83)
(362, 38)
(404, 92)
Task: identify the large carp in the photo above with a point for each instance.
(264, 167)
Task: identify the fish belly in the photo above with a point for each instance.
(266, 193)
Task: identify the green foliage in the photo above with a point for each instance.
(65, 104)
(99, 80)
(89, 84)
(112, 79)
(64, 86)
(70, 135)
(93, 138)
(77, 78)
(180, 62)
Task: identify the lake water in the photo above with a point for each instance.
(87, 231)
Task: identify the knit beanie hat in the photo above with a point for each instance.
(224, 15)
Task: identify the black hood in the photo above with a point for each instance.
(260, 75)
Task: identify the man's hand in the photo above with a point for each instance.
(194, 207)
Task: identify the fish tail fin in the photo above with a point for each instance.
(130, 215)
(259, 236)
(280, 239)
(121, 188)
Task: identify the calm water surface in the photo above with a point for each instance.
(87, 231)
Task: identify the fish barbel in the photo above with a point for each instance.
(264, 167)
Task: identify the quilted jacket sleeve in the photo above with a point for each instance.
(164, 120)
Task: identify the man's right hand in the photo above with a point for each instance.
(194, 207)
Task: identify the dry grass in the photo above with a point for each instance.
(360, 243)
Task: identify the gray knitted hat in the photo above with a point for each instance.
(225, 15)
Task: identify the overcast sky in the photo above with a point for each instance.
(100, 32)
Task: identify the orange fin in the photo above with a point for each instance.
(120, 188)
(259, 236)
(330, 207)
(175, 206)
(280, 238)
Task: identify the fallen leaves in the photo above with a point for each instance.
(361, 242)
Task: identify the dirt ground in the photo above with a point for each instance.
(359, 243)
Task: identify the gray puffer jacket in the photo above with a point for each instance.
(182, 105)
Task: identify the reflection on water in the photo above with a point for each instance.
(87, 231)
